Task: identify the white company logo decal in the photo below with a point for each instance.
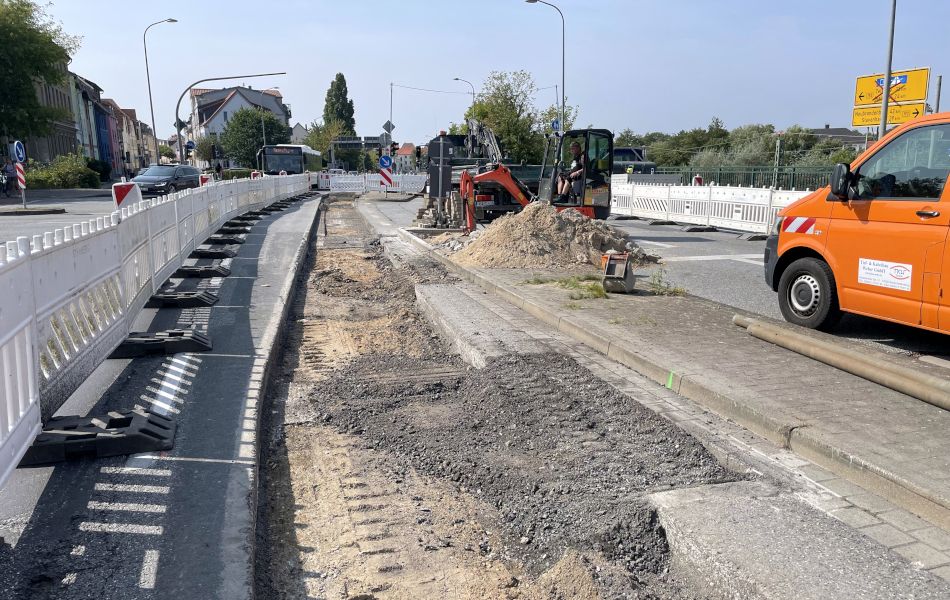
(880, 273)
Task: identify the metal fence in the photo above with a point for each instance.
(742, 209)
(70, 296)
(789, 178)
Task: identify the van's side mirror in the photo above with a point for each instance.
(840, 181)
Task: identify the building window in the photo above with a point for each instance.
(225, 116)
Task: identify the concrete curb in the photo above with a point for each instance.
(784, 430)
(240, 583)
(28, 212)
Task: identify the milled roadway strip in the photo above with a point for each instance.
(811, 445)
(178, 525)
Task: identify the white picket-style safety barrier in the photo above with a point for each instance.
(743, 209)
(371, 182)
(69, 297)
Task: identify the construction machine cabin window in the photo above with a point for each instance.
(598, 159)
(913, 166)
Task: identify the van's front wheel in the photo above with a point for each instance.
(807, 295)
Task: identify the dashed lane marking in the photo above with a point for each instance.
(136, 471)
(658, 244)
(149, 570)
(701, 257)
(127, 507)
(135, 528)
(131, 487)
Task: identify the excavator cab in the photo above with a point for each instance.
(589, 195)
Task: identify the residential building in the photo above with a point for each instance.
(849, 137)
(61, 138)
(211, 109)
(298, 134)
(405, 159)
(100, 137)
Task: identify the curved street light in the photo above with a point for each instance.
(563, 53)
(181, 151)
(148, 79)
(471, 135)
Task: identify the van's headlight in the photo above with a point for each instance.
(777, 226)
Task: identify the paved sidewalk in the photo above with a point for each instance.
(871, 436)
(176, 524)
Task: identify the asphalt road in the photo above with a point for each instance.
(79, 207)
(721, 267)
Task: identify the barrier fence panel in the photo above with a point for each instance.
(743, 209)
(70, 296)
(372, 182)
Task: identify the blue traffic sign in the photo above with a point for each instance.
(19, 151)
(556, 125)
(190, 144)
(385, 161)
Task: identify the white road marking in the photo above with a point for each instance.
(127, 507)
(660, 244)
(90, 526)
(167, 375)
(78, 550)
(196, 459)
(127, 487)
(177, 369)
(136, 471)
(709, 257)
(163, 409)
(168, 384)
(69, 579)
(149, 570)
(163, 394)
(751, 261)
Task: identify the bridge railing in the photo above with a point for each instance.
(742, 209)
(69, 297)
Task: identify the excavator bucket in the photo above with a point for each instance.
(618, 273)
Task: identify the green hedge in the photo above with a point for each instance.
(65, 172)
(235, 174)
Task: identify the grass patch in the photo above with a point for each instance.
(583, 287)
(661, 287)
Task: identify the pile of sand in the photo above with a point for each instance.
(540, 237)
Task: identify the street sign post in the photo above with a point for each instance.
(870, 116)
(19, 152)
(906, 86)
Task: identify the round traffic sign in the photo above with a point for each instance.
(556, 125)
(190, 144)
(385, 161)
(19, 151)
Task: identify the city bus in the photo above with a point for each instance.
(290, 158)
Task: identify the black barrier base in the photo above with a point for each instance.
(221, 251)
(245, 219)
(219, 239)
(173, 299)
(232, 229)
(113, 434)
(162, 342)
(216, 269)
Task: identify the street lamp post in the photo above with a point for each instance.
(887, 76)
(563, 57)
(181, 145)
(471, 135)
(148, 79)
(263, 132)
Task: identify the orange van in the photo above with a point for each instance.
(874, 242)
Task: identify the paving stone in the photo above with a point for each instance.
(843, 487)
(942, 572)
(855, 517)
(923, 555)
(871, 503)
(933, 536)
(887, 535)
(816, 473)
(903, 520)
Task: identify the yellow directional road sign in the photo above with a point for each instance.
(870, 116)
(906, 86)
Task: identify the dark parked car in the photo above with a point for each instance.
(166, 179)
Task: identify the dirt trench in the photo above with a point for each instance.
(392, 470)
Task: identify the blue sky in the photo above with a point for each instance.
(643, 64)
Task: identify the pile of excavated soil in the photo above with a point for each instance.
(541, 237)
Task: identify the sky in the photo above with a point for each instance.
(646, 65)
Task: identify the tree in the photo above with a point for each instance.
(34, 47)
(321, 134)
(547, 116)
(203, 148)
(241, 139)
(166, 152)
(338, 106)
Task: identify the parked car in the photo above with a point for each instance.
(167, 179)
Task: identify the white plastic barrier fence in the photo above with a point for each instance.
(743, 209)
(371, 182)
(68, 297)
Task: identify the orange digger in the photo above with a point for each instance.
(494, 190)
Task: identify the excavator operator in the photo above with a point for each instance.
(572, 182)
